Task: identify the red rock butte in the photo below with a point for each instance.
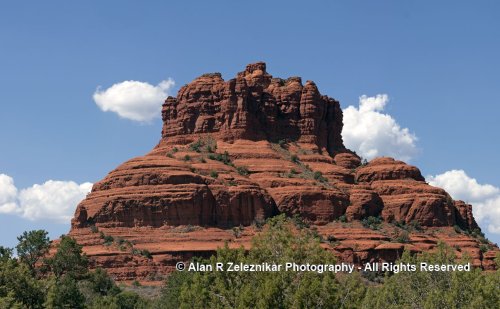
(236, 152)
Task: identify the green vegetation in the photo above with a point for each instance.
(196, 146)
(476, 233)
(372, 222)
(299, 222)
(343, 218)
(32, 247)
(278, 243)
(214, 174)
(64, 281)
(243, 171)
(419, 289)
(210, 148)
(187, 158)
(108, 240)
(35, 280)
(207, 144)
(221, 157)
(147, 254)
(403, 237)
(281, 242)
(412, 226)
(319, 177)
(282, 143)
(237, 231)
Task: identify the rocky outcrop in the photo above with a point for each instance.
(156, 191)
(406, 196)
(464, 217)
(236, 152)
(253, 106)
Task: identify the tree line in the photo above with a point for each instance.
(35, 279)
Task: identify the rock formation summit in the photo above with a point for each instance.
(233, 153)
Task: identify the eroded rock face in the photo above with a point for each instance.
(253, 106)
(236, 152)
(158, 191)
(363, 202)
(406, 196)
(464, 217)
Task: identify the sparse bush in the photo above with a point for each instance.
(243, 171)
(372, 222)
(146, 254)
(170, 155)
(282, 143)
(221, 157)
(319, 177)
(175, 149)
(108, 240)
(343, 218)
(415, 225)
(214, 174)
(331, 238)
(259, 224)
(237, 231)
(401, 224)
(94, 229)
(196, 146)
(315, 234)
(294, 158)
(189, 228)
(476, 233)
(202, 160)
(299, 222)
(403, 237)
(187, 158)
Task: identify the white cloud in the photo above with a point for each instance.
(8, 194)
(52, 200)
(485, 198)
(134, 100)
(372, 133)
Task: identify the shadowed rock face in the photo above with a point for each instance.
(236, 152)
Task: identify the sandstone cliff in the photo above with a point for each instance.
(236, 152)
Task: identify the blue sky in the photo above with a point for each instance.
(437, 62)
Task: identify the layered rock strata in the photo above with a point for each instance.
(236, 152)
